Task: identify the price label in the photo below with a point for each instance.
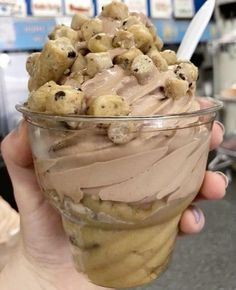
(46, 8)
(161, 8)
(137, 6)
(82, 6)
(184, 8)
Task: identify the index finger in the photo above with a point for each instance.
(217, 135)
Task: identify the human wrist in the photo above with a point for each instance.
(19, 273)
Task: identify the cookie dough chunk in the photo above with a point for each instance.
(158, 60)
(125, 59)
(64, 100)
(158, 43)
(97, 62)
(31, 62)
(38, 99)
(78, 20)
(91, 28)
(142, 37)
(122, 132)
(176, 89)
(75, 80)
(142, 68)
(100, 43)
(123, 39)
(56, 57)
(131, 20)
(116, 10)
(186, 71)
(79, 64)
(169, 56)
(64, 31)
(109, 105)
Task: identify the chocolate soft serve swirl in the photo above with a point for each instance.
(96, 166)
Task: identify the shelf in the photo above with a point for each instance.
(30, 33)
(222, 2)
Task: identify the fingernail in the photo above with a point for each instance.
(226, 179)
(221, 126)
(196, 213)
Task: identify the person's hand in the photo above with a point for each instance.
(45, 246)
(44, 260)
(214, 187)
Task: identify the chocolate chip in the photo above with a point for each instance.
(59, 95)
(182, 76)
(98, 37)
(136, 70)
(103, 107)
(102, 7)
(125, 22)
(79, 89)
(73, 240)
(71, 54)
(162, 89)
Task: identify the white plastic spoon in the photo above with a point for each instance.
(195, 30)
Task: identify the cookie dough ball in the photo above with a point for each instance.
(64, 100)
(56, 57)
(78, 20)
(186, 71)
(79, 64)
(169, 56)
(123, 39)
(116, 10)
(64, 31)
(125, 59)
(131, 20)
(142, 37)
(100, 43)
(142, 68)
(75, 80)
(176, 89)
(158, 60)
(109, 105)
(38, 99)
(122, 132)
(91, 28)
(158, 43)
(152, 30)
(97, 62)
(31, 62)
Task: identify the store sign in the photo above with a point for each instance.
(83, 6)
(137, 6)
(101, 3)
(46, 8)
(12, 8)
(184, 8)
(161, 8)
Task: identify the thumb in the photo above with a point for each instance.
(18, 159)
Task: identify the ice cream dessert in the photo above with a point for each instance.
(9, 231)
(119, 144)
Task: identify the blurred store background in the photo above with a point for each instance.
(24, 26)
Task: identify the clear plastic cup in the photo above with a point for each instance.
(121, 185)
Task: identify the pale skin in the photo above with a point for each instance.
(43, 259)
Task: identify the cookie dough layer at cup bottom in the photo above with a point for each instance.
(120, 258)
